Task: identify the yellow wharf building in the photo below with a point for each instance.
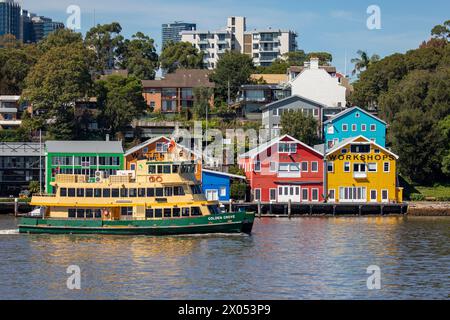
(361, 171)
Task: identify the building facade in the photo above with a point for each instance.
(216, 185)
(264, 46)
(9, 18)
(171, 32)
(20, 163)
(10, 110)
(317, 84)
(284, 169)
(354, 122)
(361, 171)
(89, 158)
(176, 91)
(272, 112)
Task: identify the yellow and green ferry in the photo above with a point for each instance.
(157, 198)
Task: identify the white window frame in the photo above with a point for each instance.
(363, 127)
(317, 164)
(387, 195)
(270, 194)
(332, 166)
(307, 166)
(384, 167)
(349, 167)
(344, 127)
(354, 127)
(332, 191)
(254, 165)
(376, 195)
(373, 127)
(223, 192)
(260, 194)
(275, 168)
(312, 195)
(307, 194)
(373, 163)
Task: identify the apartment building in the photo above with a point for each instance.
(171, 31)
(264, 46)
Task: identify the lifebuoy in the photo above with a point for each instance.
(152, 179)
(159, 179)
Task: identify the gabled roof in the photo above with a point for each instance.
(346, 111)
(84, 146)
(329, 69)
(347, 141)
(264, 146)
(290, 99)
(224, 174)
(182, 78)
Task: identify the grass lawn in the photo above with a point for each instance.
(440, 191)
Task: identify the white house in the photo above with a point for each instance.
(317, 84)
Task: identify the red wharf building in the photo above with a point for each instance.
(284, 169)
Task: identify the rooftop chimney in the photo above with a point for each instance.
(314, 63)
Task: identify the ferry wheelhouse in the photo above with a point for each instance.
(157, 198)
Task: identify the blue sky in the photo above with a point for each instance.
(322, 25)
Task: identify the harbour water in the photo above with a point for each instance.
(306, 258)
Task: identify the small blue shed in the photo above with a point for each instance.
(216, 185)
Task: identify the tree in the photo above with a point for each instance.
(444, 128)
(202, 102)
(325, 58)
(120, 100)
(59, 79)
(299, 126)
(180, 55)
(15, 63)
(296, 58)
(139, 56)
(106, 42)
(441, 31)
(279, 66)
(60, 38)
(34, 187)
(233, 70)
(363, 61)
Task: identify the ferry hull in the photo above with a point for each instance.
(239, 222)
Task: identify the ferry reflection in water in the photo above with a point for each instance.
(308, 258)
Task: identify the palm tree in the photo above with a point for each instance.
(363, 61)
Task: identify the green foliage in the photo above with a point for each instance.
(233, 70)
(34, 187)
(238, 190)
(180, 55)
(325, 58)
(299, 126)
(444, 128)
(294, 58)
(139, 56)
(120, 100)
(56, 81)
(363, 61)
(60, 38)
(441, 31)
(416, 197)
(15, 63)
(202, 98)
(107, 44)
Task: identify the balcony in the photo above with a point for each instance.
(360, 175)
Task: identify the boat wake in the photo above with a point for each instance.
(11, 231)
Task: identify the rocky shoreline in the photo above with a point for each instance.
(429, 208)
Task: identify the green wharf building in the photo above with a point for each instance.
(95, 159)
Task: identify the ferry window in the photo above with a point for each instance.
(97, 193)
(115, 193)
(178, 191)
(133, 192)
(150, 192)
(185, 212)
(72, 213)
(71, 192)
(195, 211)
(152, 169)
(159, 192)
(89, 193)
(176, 168)
(149, 213)
(98, 213)
(89, 214)
(160, 169)
(106, 193)
(176, 212)
(126, 211)
(214, 210)
(158, 213)
(141, 192)
(168, 191)
(80, 192)
(196, 189)
(167, 213)
(166, 169)
(123, 192)
(101, 161)
(80, 213)
(63, 192)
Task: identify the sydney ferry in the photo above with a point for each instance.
(158, 198)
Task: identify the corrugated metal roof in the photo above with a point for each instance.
(20, 149)
(84, 146)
